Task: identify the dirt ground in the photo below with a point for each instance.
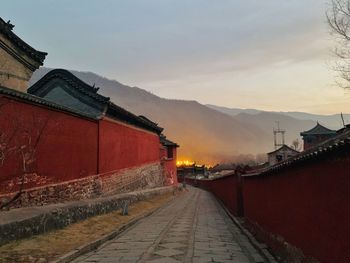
(49, 246)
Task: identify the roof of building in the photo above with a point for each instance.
(283, 147)
(164, 141)
(318, 130)
(32, 99)
(224, 167)
(335, 144)
(40, 89)
(84, 91)
(6, 29)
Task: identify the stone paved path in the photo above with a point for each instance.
(193, 228)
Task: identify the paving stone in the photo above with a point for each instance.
(201, 259)
(172, 245)
(194, 226)
(163, 260)
(168, 252)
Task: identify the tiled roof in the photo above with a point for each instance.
(122, 114)
(72, 80)
(283, 147)
(164, 141)
(112, 109)
(40, 101)
(318, 130)
(6, 29)
(340, 142)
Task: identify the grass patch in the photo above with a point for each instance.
(46, 247)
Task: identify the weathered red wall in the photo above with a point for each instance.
(224, 188)
(122, 146)
(308, 205)
(170, 166)
(66, 148)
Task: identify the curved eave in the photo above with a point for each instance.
(72, 80)
(318, 130)
(36, 55)
(112, 110)
(120, 113)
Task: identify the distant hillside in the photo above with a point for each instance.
(331, 121)
(204, 134)
(233, 111)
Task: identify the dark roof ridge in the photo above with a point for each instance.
(6, 29)
(71, 79)
(139, 120)
(148, 120)
(112, 109)
(41, 101)
(284, 146)
(166, 142)
(318, 129)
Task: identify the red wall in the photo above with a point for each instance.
(308, 205)
(170, 165)
(66, 148)
(122, 146)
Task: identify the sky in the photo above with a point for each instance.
(271, 55)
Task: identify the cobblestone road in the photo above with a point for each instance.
(193, 228)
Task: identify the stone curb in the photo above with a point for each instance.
(57, 216)
(261, 248)
(70, 256)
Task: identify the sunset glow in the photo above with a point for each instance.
(184, 162)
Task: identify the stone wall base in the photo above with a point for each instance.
(121, 181)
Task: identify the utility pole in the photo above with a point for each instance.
(342, 118)
(278, 133)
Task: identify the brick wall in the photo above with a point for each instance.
(121, 181)
(130, 179)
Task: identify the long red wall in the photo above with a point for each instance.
(57, 146)
(308, 205)
(122, 146)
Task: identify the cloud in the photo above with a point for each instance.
(225, 52)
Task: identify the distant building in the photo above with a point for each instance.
(281, 154)
(190, 170)
(223, 167)
(316, 135)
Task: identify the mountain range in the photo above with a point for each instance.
(206, 133)
(333, 121)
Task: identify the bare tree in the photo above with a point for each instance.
(21, 139)
(338, 17)
(296, 145)
(261, 158)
